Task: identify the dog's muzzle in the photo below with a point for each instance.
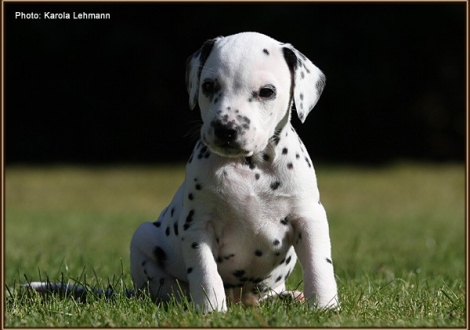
(226, 140)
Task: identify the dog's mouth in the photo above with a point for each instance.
(229, 150)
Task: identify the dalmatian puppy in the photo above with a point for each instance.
(249, 204)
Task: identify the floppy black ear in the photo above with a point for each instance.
(309, 81)
(194, 65)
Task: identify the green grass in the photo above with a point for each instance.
(398, 236)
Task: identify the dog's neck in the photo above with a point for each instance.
(269, 153)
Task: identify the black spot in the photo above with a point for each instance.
(297, 156)
(219, 259)
(244, 119)
(189, 270)
(203, 153)
(195, 245)
(162, 281)
(284, 151)
(175, 228)
(157, 224)
(287, 275)
(265, 51)
(284, 221)
(302, 75)
(257, 176)
(186, 226)
(258, 253)
(308, 162)
(306, 69)
(160, 255)
(282, 261)
(290, 58)
(300, 235)
(190, 196)
(288, 260)
(189, 218)
(239, 273)
(190, 159)
(172, 211)
(301, 96)
(278, 279)
(249, 161)
(167, 231)
(329, 261)
(290, 166)
(265, 157)
(198, 186)
(229, 256)
(276, 242)
(275, 185)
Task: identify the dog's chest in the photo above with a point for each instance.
(247, 205)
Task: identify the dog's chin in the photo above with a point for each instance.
(229, 151)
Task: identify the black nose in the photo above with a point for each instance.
(225, 132)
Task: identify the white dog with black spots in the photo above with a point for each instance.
(249, 205)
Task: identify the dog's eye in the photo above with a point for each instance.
(267, 92)
(208, 87)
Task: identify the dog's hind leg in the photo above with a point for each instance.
(148, 266)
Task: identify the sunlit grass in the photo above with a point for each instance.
(398, 236)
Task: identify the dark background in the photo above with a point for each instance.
(90, 91)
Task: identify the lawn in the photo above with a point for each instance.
(398, 237)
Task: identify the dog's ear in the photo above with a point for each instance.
(194, 65)
(307, 81)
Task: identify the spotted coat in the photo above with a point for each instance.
(249, 204)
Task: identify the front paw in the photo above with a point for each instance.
(330, 302)
(212, 305)
(210, 300)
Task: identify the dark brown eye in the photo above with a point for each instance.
(267, 92)
(208, 87)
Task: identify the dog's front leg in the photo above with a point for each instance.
(205, 284)
(313, 249)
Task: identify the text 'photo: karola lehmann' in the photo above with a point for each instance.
(61, 16)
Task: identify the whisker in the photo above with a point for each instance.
(193, 132)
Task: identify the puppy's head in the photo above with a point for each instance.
(245, 85)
